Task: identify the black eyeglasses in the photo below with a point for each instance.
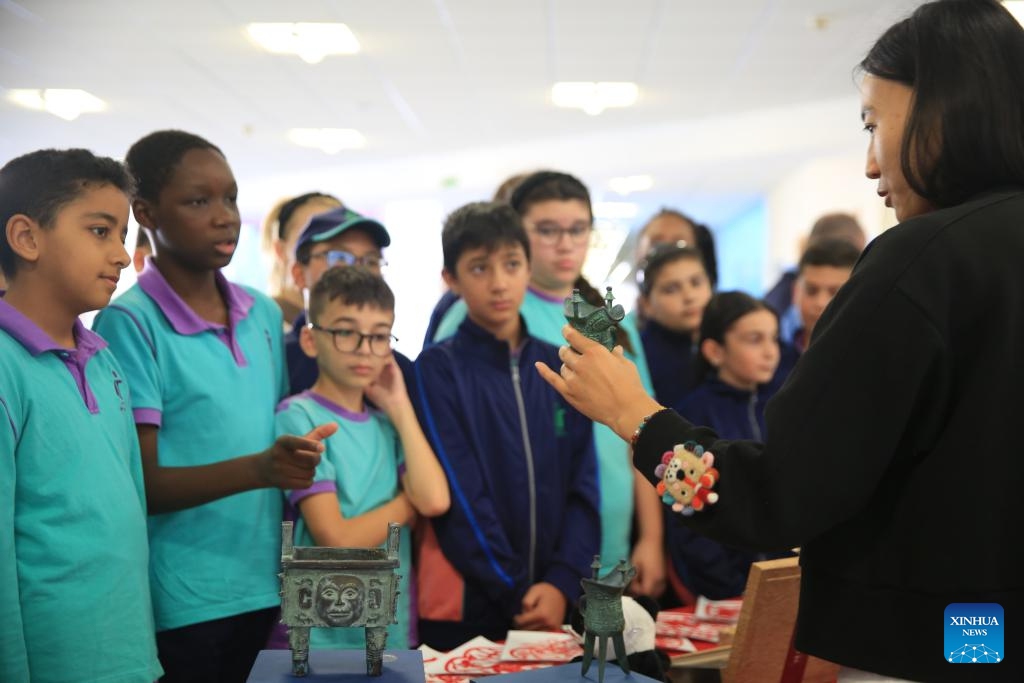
(552, 235)
(344, 258)
(348, 340)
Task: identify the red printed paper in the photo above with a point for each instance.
(540, 646)
(684, 625)
(719, 611)
(478, 657)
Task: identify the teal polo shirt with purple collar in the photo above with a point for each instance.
(211, 390)
(74, 581)
(363, 463)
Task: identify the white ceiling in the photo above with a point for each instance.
(454, 93)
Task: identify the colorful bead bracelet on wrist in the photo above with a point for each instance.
(640, 427)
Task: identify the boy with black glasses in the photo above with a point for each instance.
(378, 467)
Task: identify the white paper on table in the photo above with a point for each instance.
(430, 655)
(477, 656)
(676, 644)
(540, 646)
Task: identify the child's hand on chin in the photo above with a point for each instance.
(388, 391)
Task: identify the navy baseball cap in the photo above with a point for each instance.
(324, 226)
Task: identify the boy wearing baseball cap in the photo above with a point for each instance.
(340, 237)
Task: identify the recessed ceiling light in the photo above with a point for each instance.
(310, 41)
(1016, 8)
(631, 183)
(593, 98)
(819, 22)
(66, 103)
(329, 140)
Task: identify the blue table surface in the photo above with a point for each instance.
(338, 666)
(568, 672)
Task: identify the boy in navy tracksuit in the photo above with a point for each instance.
(523, 526)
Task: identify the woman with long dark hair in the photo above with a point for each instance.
(892, 454)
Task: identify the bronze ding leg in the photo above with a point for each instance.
(376, 639)
(298, 641)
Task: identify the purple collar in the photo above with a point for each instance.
(36, 341)
(184, 320)
(335, 408)
(544, 296)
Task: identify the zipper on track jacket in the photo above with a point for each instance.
(529, 464)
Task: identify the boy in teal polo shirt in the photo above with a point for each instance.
(74, 585)
(378, 467)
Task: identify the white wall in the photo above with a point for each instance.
(817, 187)
(809, 156)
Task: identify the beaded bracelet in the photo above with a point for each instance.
(687, 477)
(640, 427)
